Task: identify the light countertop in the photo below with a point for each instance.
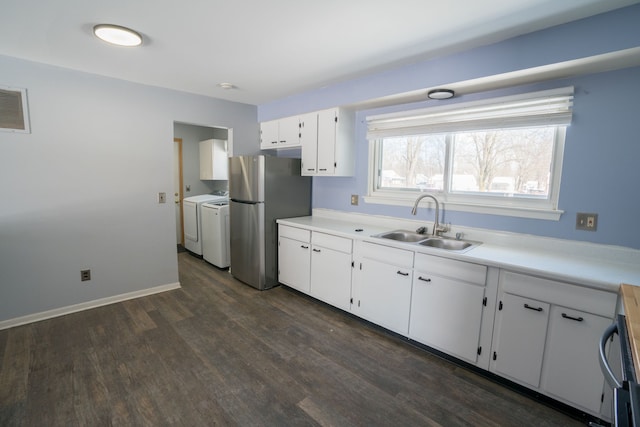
(556, 261)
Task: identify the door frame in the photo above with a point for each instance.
(181, 190)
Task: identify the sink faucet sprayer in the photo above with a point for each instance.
(437, 228)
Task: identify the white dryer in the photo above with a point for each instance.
(192, 208)
(215, 233)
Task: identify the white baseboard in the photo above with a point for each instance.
(44, 315)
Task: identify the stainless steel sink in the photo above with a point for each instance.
(448, 244)
(403, 236)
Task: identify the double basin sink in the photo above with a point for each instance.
(439, 242)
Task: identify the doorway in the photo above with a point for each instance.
(186, 157)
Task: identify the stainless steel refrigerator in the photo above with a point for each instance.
(261, 190)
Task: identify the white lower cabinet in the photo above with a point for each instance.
(382, 287)
(519, 339)
(537, 332)
(546, 337)
(571, 368)
(331, 269)
(318, 264)
(447, 302)
(294, 257)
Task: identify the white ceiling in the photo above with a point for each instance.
(268, 49)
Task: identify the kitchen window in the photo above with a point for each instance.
(502, 156)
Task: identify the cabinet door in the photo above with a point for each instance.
(309, 143)
(294, 264)
(520, 338)
(269, 134)
(384, 295)
(446, 314)
(327, 141)
(206, 160)
(331, 276)
(571, 366)
(219, 160)
(289, 132)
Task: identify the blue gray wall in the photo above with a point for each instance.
(600, 172)
(80, 191)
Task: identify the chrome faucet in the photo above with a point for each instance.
(437, 229)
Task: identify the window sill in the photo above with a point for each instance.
(514, 211)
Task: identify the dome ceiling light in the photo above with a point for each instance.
(440, 94)
(226, 86)
(117, 35)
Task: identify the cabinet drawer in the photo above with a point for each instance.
(329, 241)
(397, 257)
(571, 296)
(294, 233)
(466, 271)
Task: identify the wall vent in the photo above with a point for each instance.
(13, 110)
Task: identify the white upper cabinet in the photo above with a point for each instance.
(214, 163)
(332, 154)
(281, 133)
(309, 142)
(269, 136)
(326, 139)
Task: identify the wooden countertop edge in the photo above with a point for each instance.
(631, 301)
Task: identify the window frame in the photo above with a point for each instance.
(522, 207)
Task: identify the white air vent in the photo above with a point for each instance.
(13, 110)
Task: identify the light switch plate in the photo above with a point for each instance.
(162, 197)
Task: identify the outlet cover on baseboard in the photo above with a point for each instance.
(85, 275)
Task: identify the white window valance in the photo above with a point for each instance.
(544, 108)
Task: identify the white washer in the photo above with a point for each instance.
(192, 208)
(215, 233)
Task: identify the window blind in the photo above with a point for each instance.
(544, 108)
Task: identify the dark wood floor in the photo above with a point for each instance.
(218, 352)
